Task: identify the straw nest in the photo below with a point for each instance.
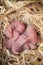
(28, 12)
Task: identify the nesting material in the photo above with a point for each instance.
(28, 12)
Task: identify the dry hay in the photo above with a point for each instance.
(21, 11)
